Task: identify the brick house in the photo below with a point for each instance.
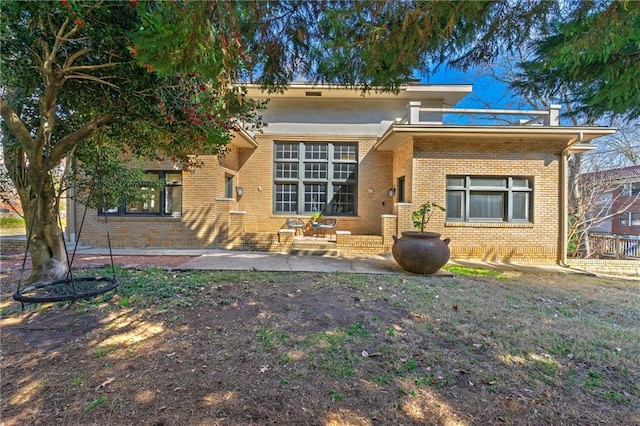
(620, 199)
(368, 162)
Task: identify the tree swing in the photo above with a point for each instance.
(70, 288)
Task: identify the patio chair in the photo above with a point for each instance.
(326, 224)
(296, 224)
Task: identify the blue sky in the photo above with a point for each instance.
(484, 87)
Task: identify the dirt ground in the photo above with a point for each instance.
(286, 349)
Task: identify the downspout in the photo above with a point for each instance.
(564, 198)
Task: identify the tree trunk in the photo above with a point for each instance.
(577, 208)
(34, 184)
(46, 240)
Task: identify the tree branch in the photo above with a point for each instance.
(15, 124)
(89, 77)
(90, 67)
(72, 139)
(72, 58)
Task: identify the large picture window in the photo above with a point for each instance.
(164, 201)
(311, 177)
(489, 198)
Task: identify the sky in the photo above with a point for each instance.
(488, 93)
(495, 95)
(484, 86)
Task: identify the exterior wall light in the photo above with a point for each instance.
(391, 192)
(239, 191)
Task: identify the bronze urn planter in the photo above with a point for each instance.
(421, 252)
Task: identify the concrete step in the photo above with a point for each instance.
(314, 252)
(314, 248)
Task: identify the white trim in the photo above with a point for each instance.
(397, 134)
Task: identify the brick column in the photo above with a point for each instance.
(404, 218)
(236, 224)
(223, 207)
(389, 226)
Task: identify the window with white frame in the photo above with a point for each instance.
(315, 176)
(489, 198)
(164, 201)
(629, 219)
(632, 189)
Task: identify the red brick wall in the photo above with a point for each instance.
(632, 204)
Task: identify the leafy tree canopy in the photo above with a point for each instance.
(68, 75)
(360, 44)
(595, 55)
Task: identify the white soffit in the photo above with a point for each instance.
(396, 135)
(242, 139)
(448, 94)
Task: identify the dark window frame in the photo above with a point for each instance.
(163, 197)
(465, 191)
(228, 185)
(315, 176)
(401, 190)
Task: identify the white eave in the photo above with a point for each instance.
(242, 139)
(448, 94)
(397, 134)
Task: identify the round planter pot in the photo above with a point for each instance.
(421, 252)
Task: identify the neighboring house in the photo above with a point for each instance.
(367, 161)
(10, 205)
(618, 200)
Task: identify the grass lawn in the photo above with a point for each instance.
(10, 226)
(249, 348)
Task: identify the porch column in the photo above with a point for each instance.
(414, 112)
(553, 119)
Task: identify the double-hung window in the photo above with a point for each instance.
(632, 189)
(489, 198)
(159, 199)
(315, 176)
(629, 219)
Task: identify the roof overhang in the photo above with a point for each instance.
(242, 139)
(397, 134)
(448, 94)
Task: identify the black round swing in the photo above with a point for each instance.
(70, 288)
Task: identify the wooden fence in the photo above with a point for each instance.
(617, 246)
